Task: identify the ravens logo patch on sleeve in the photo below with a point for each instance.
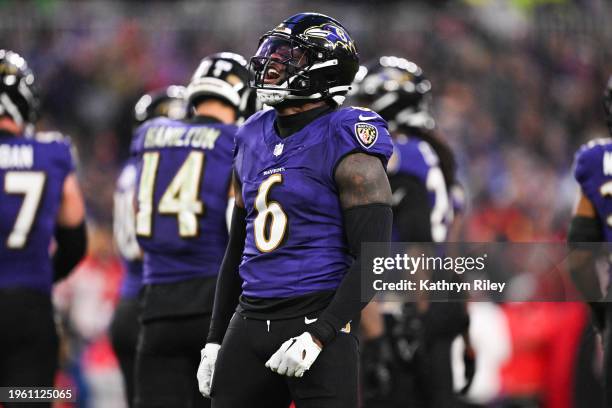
(366, 134)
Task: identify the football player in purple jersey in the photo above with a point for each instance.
(183, 190)
(310, 188)
(592, 222)
(168, 102)
(421, 173)
(40, 199)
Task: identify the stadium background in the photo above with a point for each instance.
(517, 88)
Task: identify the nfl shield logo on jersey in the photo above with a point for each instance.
(366, 134)
(278, 149)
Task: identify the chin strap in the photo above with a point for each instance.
(275, 96)
(271, 96)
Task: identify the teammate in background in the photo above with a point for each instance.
(40, 199)
(168, 102)
(310, 187)
(422, 168)
(421, 173)
(182, 196)
(591, 222)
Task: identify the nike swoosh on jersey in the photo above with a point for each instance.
(309, 321)
(361, 117)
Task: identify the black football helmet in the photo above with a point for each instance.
(223, 76)
(168, 102)
(18, 94)
(608, 104)
(308, 57)
(397, 89)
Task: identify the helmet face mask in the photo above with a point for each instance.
(280, 60)
(309, 57)
(279, 68)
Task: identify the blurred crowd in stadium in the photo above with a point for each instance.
(516, 89)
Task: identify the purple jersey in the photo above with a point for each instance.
(32, 174)
(415, 157)
(295, 241)
(124, 230)
(593, 171)
(182, 194)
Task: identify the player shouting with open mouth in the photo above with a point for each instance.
(310, 188)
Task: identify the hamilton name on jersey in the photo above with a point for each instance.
(172, 136)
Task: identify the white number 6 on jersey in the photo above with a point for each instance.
(269, 235)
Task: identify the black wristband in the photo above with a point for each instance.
(322, 330)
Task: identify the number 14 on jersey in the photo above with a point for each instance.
(180, 198)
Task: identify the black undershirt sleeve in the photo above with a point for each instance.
(71, 247)
(229, 284)
(412, 213)
(366, 223)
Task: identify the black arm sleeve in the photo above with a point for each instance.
(412, 213)
(366, 223)
(229, 284)
(71, 247)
